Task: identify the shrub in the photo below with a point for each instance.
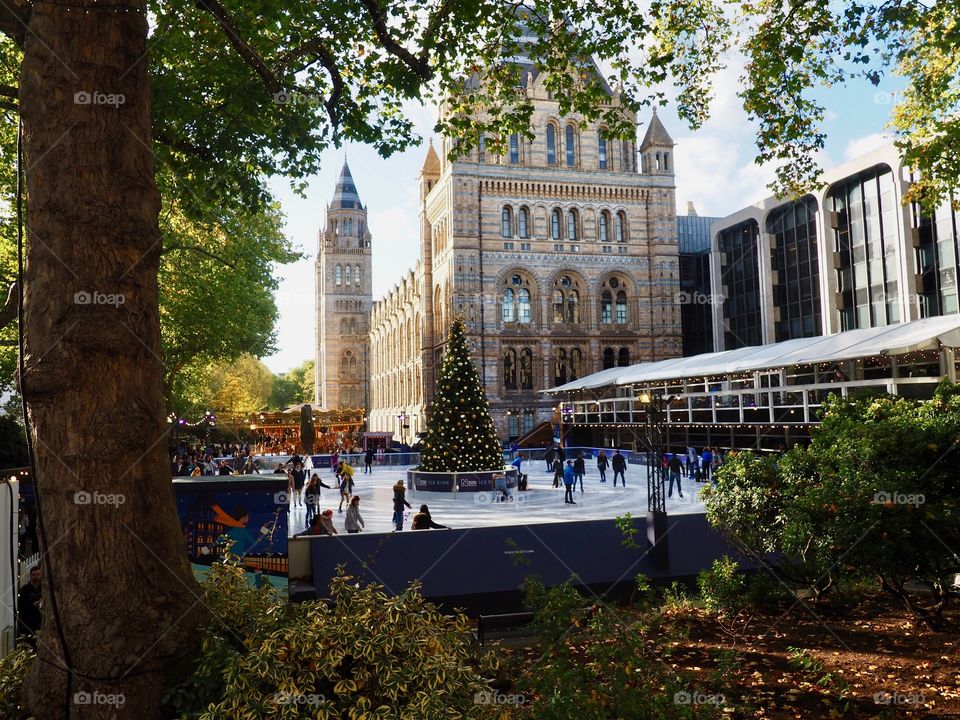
(594, 663)
(873, 496)
(362, 654)
(13, 669)
(722, 587)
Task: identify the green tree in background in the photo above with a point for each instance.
(460, 434)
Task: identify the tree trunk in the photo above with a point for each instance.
(116, 567)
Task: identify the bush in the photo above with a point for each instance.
(722, 587)
(362, 654)
(594, 663)
(873, 496)
(13, 669)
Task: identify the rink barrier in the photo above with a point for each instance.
(475, 481)
(481, 569)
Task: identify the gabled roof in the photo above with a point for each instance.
(656, 133)
(345, 195)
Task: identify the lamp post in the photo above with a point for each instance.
(653, 403)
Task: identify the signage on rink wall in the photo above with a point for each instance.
(465, 482)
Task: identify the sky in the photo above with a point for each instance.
(714, 168)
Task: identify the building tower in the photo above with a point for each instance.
(344, 298)
(656, 149)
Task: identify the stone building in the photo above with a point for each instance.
(344, 298)
(561, 255)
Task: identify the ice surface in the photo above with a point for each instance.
(541, 503)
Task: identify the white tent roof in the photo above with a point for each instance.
(899, 339)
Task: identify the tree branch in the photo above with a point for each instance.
(250, 56)
(418, 65)
(184, 146)
(197, 249)
(14, 19)
(8, 313)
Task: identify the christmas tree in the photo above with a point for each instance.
(460, 434)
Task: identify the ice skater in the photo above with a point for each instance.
(568, 483)
(619, 464)
(579, 468)
(675, 467)
(602, 464)
(557, 471)
(399, 501)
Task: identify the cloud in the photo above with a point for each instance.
(862, 145)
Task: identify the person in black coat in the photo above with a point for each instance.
(548, 457)
(557, 471)
(619, 464)
(423, 521)
(579, 468)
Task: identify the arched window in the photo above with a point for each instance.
(506, 223)
(338, 275)
(602, 150)
(510, 370)
(572, 225)
(573, 307)
(621, 308)
(571, 146)
(523, 306)
(345, 364)
(515, 149)
(606, 307)
(551, 144)
(604, 227)
(523, 218)
(666, 161)
(526, 369)
(625, 157)
(481, 148)
(620, 227)
(560, 367)
(509, 310)
(659, 162)
(608, 358)
(554, 224)
(575, 363)
(557, 306)
(356, 275)
(347, 275)
(566, 300)
(623, 358)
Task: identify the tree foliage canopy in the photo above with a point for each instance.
(875, 495)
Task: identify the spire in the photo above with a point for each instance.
(656, 133)
(431, 163)
(345, 195)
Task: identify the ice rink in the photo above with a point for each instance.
(540, 503)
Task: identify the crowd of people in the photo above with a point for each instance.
(307, 493)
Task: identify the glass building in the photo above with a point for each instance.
(866, 242)
(937, 243)
(796, 269)
(738, 247)
(693, 233)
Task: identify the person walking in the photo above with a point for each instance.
(602, 464)
(399, 501)
(675, 475)
(619, 464)
(557, 471)
(579, 468)
(568, 483)
(706, 460)
(353, 521)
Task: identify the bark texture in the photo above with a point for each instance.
(126, 596)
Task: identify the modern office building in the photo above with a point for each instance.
(695, 297)
(848, 256)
